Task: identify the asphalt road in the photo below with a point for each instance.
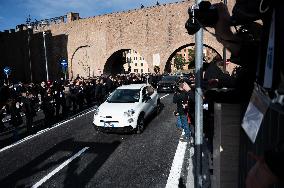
(73, 154)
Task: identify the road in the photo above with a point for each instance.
(73, 154)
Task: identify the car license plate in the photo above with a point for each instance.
(108, 124)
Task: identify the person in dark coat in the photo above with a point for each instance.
(29, 110)
(181, 99)
(48, 108)
(73, 95)
(2, 110)
(98, 91)
(109, 84)
(16, 119)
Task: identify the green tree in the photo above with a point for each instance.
(191, 58)
(179, 62)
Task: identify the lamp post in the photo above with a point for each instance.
(46, 63)
(30, 28)
(29, 47)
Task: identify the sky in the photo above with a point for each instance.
(15, 12)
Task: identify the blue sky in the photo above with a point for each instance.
(15, 12)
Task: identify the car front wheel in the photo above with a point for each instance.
(140, 125)
(158, 107)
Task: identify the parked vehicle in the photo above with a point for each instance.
(167, 83)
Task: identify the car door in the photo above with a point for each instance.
(151, 92)
(146, 104)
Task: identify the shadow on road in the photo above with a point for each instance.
(74, 177)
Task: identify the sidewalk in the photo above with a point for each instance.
(190, 163)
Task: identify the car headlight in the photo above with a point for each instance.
(96, 111)
(129, 113)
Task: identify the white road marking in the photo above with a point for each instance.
(190, 177)
(174, 176)
(44, 179)
(43, 131)
(164, 96)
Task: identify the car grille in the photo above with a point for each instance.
(109, 121)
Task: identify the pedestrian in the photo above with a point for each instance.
(181, 98)
(48, 108)
(29, 110)
(16, 119)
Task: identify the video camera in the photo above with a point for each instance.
(206, 15)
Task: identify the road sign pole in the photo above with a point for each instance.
(198, 105)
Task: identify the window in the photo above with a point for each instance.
(141, 70)
(141, 64)
(135, 70)
(135, 64)
(140, 58)
(184, 50)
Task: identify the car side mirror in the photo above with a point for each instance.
(146, 98)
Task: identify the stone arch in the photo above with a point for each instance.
(167, 66)
(112, 66)
(80, 61)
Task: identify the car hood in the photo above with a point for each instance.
(116, 109)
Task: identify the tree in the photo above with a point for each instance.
(179, 62)
(191, 58)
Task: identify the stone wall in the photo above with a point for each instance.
(88, 43)
(152, 30)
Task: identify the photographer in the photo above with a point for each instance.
(257, 49)
(184, 98)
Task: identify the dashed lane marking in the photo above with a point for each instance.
(164, 96)
(60, 167)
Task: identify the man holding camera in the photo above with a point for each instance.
(257, 48)
(183, 98)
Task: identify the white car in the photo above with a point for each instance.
(127, 108)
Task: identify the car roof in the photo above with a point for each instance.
(132, 86)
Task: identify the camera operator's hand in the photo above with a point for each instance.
(223, 31)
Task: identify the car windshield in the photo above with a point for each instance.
(124, 96)
(169, 78)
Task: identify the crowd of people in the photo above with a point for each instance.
(58, 99)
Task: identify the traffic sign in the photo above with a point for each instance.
(64, 63)
(7, 71)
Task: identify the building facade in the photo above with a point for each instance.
(136, 62)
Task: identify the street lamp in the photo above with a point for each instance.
(46, 63)
(42, 25)
(29, 45)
